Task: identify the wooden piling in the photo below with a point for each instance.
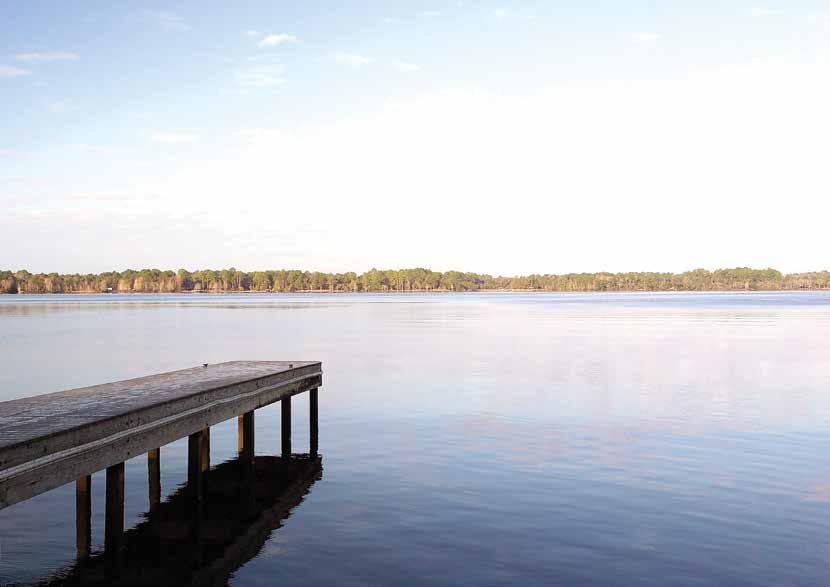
(245, 435)
(313, 424)
(195, 445)
(286, 427)
(83, 516)
(114, 520)
(154, 477)
(205, 450)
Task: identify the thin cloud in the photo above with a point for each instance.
(404, 66)
(109, 197)
(12, 71)
(647, 39)
(351, 59)
(275, 39)
(261, 77)
(170, 21)
(390, 20)
(504, 13)
(251, 33)
(88, 148)
(55, 106)
(45, 57)
(760, 11)
(172, 137)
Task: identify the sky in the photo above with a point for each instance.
(497, 137)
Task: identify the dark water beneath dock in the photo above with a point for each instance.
(482, 439)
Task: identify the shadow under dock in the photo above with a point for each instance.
(202, 537)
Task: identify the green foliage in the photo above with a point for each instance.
(402, 280)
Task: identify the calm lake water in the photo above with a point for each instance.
(482, 439)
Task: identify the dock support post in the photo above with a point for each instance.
(154, 477)
(286, 427)
(205, 450)
(245, 449)
(114, 520)
(245, 436)
(312, 420)
(83, 516)
(195, 446)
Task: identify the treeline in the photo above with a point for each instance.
(232, 280)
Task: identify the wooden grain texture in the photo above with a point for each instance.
(56, 438)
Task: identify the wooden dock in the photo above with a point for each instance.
(53, 439)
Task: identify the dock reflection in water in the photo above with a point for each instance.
(187, 540)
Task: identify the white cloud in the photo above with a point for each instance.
(89, 148)
(172, 137)
(760, 11)
(275, 39)
(352, 59)
(404, 66)
(504, 13)
(109, 197)
(647, 39)
(262, 76)
(662, 174)
(12, 71)
(667, 174)
(54, 106)
(45, 57)
(251, 33)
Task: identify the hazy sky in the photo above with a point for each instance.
(500, 137)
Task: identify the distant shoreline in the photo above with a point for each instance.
(418, 292)
(415, 280)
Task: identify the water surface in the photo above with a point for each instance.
(482, 439)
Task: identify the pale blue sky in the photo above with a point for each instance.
(504, 137)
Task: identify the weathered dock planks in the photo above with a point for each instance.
(53, 439)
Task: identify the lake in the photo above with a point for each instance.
(481, 439)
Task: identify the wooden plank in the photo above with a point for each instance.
(47, 441)
(37, 426)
